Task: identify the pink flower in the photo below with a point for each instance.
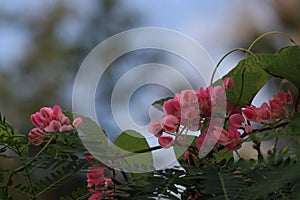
(236, 120)
(190, 113)
(188, 98)
(172, 107)
(37, 120)
(257, 114)
(170, 123)
(35, 136)
(233, 108)
(277, 105)
(46, 113)
(229, 139)
(53, 126)
(108, 182)
(165, 141)
(65, 120)
(187, 155)
(96, 196)
(155, 128)
(273, 111)
(89, 158)
(250, 113)
(98, 185)
(205, 141)
(217, 94)
(77, 122)
(65, 128)
(228, 83)
(248, 129)
(200, 140)
(51, 120)
(95, 176)
(204, 101)
(190, 117)
(57, 112)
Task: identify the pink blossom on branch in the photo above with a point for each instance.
(53, 126)
(95, 176)
(248, 129)
(77, 122)
(170, 123)
(188, 98)
(230, 139)
(276, 109)
(172, 107)
(99, 186)
(50, 120)
(228, 83)
(236, 120)
(155, 128)
(165, 141)
(35, 136)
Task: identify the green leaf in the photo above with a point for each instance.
(94, 138)
(249, 77)
(273, 180)
(134, 143)
(159, 103)
(131, 141)
(224, 154)
(286, 64)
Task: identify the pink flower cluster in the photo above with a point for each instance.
(189, 109)
(50, 120)
(98, 185)
(269, 112)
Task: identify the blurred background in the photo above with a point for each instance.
(43, 43)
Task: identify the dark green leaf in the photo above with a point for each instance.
(132, 144)
(249, 77)
(286, 64)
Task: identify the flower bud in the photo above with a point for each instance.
(228, 83)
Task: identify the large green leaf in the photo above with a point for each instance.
(249, 77)
(131, 141)
(252, 73)
(95, 140)
(131, 144)
(286, 65)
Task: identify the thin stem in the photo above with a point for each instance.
(39, 153)
(114, 185)
(227, 54)
(264, 129)
(139, 151)
(270, 33)
(28, 174)
(30, 182)
(275, 145)
(44, 147)
(237, 153)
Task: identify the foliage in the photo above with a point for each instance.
(221, 173)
